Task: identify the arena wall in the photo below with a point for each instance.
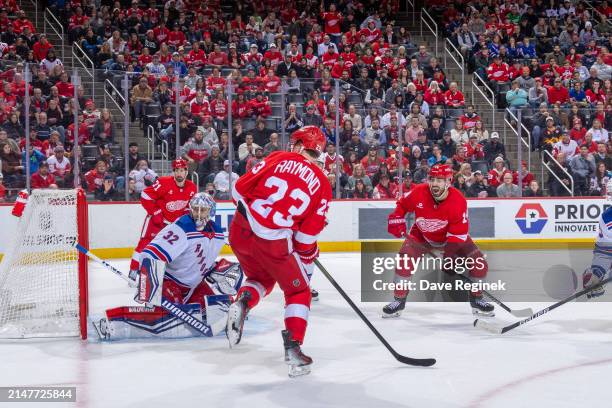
(495, 224)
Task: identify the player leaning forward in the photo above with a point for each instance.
(282, 203)
(441, 224)
(183, 257)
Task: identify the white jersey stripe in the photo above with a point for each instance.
(305, 238)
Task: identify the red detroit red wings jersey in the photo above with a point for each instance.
(166, 196)
(285, 196)
(437, 223)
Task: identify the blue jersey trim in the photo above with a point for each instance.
(163, 251)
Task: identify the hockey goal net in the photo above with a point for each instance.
(43, 279)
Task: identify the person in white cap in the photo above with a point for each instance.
(222, 181)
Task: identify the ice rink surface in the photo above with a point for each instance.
(563, 359)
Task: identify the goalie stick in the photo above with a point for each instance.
(493, 328)
(422, 362)
(172, 308)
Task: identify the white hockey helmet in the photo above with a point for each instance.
(609, 190)
(202, 207)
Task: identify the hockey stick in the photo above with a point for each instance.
(515, 313)
(422, 362)
(172, 308)
(501, 330)
(108, 266)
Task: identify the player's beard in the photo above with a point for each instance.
(439, 193)
(179, 179)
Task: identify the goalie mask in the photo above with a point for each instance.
(202, 208)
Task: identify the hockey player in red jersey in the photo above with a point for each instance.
(282, 203)
(165, 201)
(441, 223)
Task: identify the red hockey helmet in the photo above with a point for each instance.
(312, 138)
(441, 171)
(179, 164)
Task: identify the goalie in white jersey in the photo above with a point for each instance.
(183, 256)
(601, 265)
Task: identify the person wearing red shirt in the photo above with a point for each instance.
(260, 106)
(453, 98)
(41, 47)
(145, 58)
(595, 94)
(161, 33)
(434, 95)
(218, 58)
(558, 93)
(76, 23)
(348, 56)
(218, 107)
(441, 215)
(200, 105)
(371, 33)
(473, 149)
(578, 132)
(287, 231)
(176, 37)
(527, 176)
(352, 36)
(95, 177)
(469, 118)
(332, 20)
(496, 174)
(196, 56)
(339, 68)
(65, 88)
(498, 73)
(274, 55)
(215, 79)
(241, 108)
(42, 178)
(251, 83)
(330, 57)
(253, 57)
(271, 83)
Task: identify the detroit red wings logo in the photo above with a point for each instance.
(177, 205)
(430, 225)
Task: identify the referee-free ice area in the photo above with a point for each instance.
(563, 359)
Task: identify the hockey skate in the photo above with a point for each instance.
(480, 307)
(102, 328)
(235, 318)
(298, 362)
(315, 294)
(394, 309)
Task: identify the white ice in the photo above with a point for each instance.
(563, 359)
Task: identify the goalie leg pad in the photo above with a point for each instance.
(141, 322)
(217, 307)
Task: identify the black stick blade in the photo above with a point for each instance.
(420, 362)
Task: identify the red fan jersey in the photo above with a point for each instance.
(285, 196)
(436, 222)
(165, 196)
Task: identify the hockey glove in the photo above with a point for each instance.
(396, 225)
(307, 257)
(592, 276)
(157, 218)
